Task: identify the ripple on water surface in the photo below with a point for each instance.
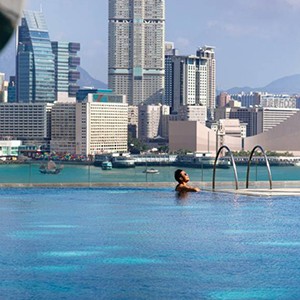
(65, 254)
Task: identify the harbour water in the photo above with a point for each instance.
(29, 173)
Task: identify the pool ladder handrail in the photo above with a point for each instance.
(267, 164)
(233, 164)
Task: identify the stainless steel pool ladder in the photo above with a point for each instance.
(267, 164)
(234, 166)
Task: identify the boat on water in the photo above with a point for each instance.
(201, 160)
(123, 161)
(100, 159)
(106, 165)
(50, 168)
(151, 171)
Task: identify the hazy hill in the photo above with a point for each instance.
(86, 80)
(284, 85)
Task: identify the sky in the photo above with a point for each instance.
(256, 41)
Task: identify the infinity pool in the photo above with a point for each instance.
(147, 244)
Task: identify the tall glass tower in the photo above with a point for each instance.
(66, 63)
(136, 49)
(35, 61)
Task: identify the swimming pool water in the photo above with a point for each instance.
(147, 244)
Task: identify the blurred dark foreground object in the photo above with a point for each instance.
(10, 12)
(6, 29)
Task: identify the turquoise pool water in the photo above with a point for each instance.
(147, 244)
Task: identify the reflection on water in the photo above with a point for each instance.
(181, 198)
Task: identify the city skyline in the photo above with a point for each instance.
(251, 45)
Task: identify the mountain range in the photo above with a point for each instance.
(284, 85)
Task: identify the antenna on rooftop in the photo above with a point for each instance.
(41, 7)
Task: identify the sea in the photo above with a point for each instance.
(29, 174)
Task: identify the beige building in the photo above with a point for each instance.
(192, 113)
(153, 120)
(223, 99)
(101, 127)
(283, 137)
(193, 136)
(275, 116)
(3, 88)
(230, 127)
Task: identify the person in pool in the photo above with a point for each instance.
(183, 178)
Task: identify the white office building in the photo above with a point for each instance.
(101, 127)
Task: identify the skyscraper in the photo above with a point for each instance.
(35, 61)
(136, 49)
(66, 74)
(208, 53)
(191, 79)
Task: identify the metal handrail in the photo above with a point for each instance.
(267, 164)
(233, 164)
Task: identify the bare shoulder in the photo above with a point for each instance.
(186, 188)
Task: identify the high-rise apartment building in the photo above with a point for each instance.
(191, 80)
(35, 61)
(136, 49)
(66, 73)
(208, 53)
